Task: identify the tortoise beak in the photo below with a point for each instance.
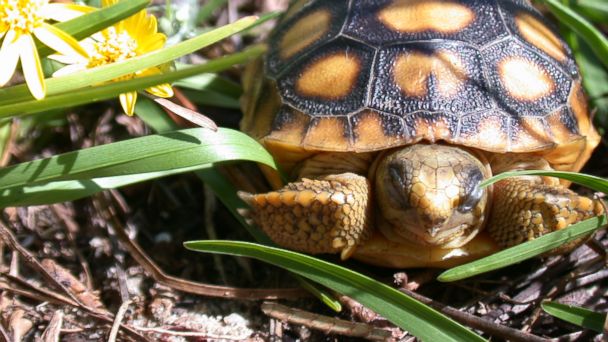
(433, 231)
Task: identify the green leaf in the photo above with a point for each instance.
(111, 90)
(208, 9)
(576, 315)
(211, 98)
(211, 82)
(582, 27)
(6, 134)
(524, 251)
(154, 116)
(592, 182)
(63, 191)
(595, 79)
(593, 6)
(154, 153)
(409, 314)
(77, 81)
(87, 24)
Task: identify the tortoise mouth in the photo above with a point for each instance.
(448, 235)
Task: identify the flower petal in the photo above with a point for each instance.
(9, 55)
(32, 70)
(161, 90)
(65, 59)
(70, 69)
(108, 3)
(11, 37)
(148, 72)
(151, 43)
(127, 101)
(59, 41)
(136, 25)
(64, 12)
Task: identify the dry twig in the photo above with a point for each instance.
(51, 333)
(328, 325)
(477, 322)
(80, 291)
(4, 335)
(117, 319)
(9, 239)
(192, 334)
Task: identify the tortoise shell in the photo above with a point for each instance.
(356, 76)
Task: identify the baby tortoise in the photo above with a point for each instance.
(390, 113)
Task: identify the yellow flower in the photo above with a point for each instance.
(20, 22)
(132, 37)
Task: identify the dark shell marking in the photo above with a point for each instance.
(361, 76)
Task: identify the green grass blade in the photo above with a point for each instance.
(524, 251)
(63, 191)
(592, 182)
(210, 82)
(70, 83)
(409, 314)
(595, 79)
(576, 315)
(212, 98)
(594, 5)
(87, 24)
(154, 153)
(6, 134)
(580, 25)
(208, 9)
(111, 90)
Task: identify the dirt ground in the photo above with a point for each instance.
(112, 267)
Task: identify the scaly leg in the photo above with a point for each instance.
(326, 215)
(524, 209)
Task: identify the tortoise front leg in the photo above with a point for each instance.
(526, 208)
(326, 215)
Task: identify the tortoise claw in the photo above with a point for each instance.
(524, 210)
(326, 215)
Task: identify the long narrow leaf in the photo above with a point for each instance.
(62, 191)
(409, 314)
(112, 90)
(207, 10)
(595, 79)
(594, 5)
(592, 182)
(582, 27)
(211, 98)
(154, 153)
(524, 251)
(576, 315)
(212, 82)
(68, 83)
(6, 135)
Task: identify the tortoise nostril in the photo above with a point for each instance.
(433, 219)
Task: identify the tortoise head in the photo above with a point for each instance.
(430, 194)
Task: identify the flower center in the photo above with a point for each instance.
(111, 47)
(22, 16)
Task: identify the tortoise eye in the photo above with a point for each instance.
(473, 193)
